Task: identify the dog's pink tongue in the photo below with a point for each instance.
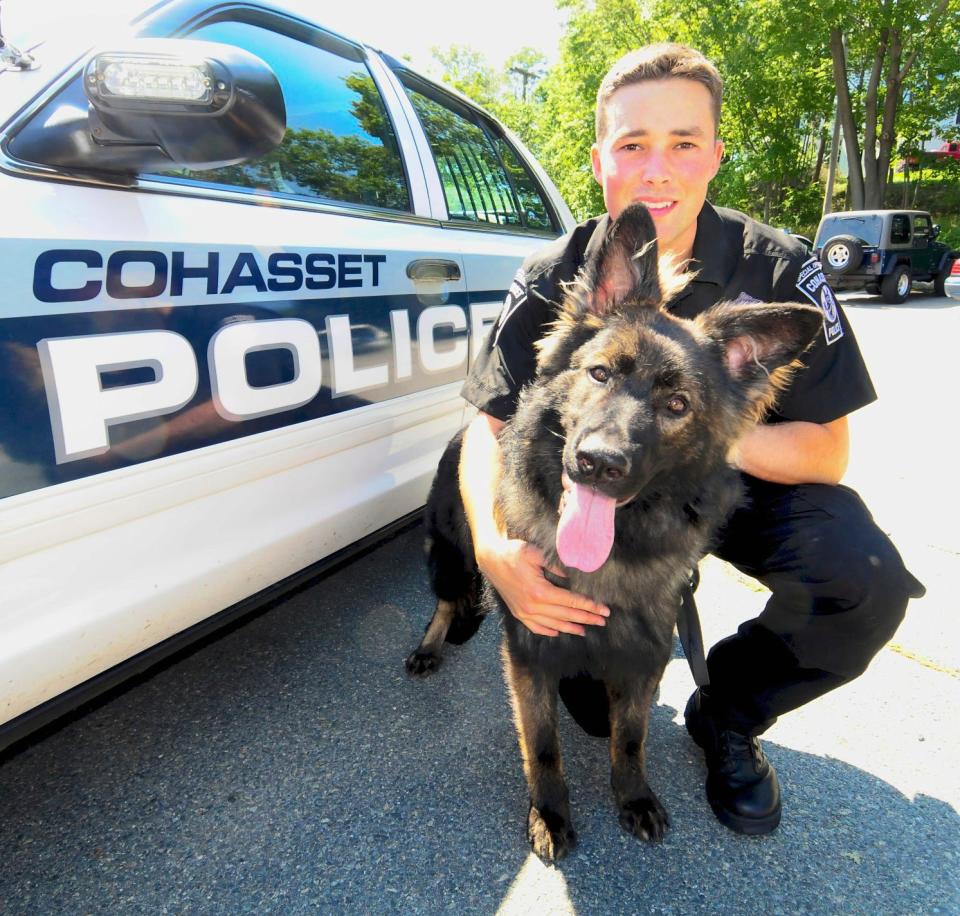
(585, 532)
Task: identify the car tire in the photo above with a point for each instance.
(842, 255)
(940, 280)
(896, 286)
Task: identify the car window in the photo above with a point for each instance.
(484, 180)
(339, 144)
(921, 229)
(865, 228)
(900, 229)
(532, 204)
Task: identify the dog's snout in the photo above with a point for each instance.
(598, 461)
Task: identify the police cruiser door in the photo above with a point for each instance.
(496, 203)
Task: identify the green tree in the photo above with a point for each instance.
(882, 52)
(523, 71)
(469, 72)
(898, 74)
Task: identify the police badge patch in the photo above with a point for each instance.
(813, 284)
(516, 296)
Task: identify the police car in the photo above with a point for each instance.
(246, 263)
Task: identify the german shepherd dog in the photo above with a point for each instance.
(615, 466)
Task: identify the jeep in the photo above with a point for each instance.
(883, 251)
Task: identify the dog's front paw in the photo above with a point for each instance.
(644, 817)
(551, 835)
(422, 663)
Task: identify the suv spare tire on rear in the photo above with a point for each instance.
(842, 255)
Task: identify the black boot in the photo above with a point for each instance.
(742, 786)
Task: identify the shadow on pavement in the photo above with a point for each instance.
(293, 767)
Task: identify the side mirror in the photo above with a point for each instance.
(161, 103)
(935, 230)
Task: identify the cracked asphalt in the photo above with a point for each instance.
(291, 765)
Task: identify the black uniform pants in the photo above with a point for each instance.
(839, 592)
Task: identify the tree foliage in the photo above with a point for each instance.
(469, 72)
(900, 75)
(883, 53)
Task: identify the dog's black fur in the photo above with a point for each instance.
(644, 407)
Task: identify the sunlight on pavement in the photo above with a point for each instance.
(539, 889)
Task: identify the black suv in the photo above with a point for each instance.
(882, 251)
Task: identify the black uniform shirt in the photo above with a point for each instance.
(738, 259)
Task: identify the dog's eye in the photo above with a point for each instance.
(599, 374)
(678, 405)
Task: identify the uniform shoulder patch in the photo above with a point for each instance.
(813, 284)
(516, 296)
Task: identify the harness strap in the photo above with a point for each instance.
(688, 625)
(691, 636)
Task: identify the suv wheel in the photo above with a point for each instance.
(842, 255)
(939, 281)
(896, 286)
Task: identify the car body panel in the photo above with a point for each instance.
(951, 285)
(212, 388)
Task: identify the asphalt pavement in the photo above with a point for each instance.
(292, 766)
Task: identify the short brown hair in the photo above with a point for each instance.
(659, 62)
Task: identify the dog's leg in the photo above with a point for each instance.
(534, 698)
(640, 810)
(426, 658)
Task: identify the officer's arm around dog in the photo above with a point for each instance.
(795, 452)
(513, 566)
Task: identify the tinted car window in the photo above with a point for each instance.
(900, 229)
(866, 228)
(339, 144)
(532, 205)
(484, 181)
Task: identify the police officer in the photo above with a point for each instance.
(839, 588)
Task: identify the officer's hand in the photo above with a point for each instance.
(515, 569)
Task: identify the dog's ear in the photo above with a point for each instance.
(761, 342)
(622, 270)
(624, 267)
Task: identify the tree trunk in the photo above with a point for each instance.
(878, 150)
(872, 180)
(855, 196)
(887, 135)
(821, 150)
(832, 167)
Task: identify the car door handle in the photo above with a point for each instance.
(433, 269)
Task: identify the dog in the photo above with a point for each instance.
(616, 467)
